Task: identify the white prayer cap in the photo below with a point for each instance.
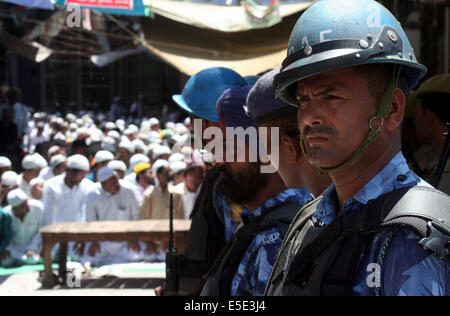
(53, 149)
(73, 126)
(177, 166)
(59, 121)
(40, 160)
(36, 181)
(87, 119)
(159, 151)
(105, 173)
(170, 125)
(187, 152)
(9, 178)
(133, 128)
(37, 116)
(78, 162)
(16, 197)
(114, 134)
(137, 159)
(110, 125)
(103, 155)
(176, 157)
(181, 129)
(158, 164)
(139, 144)
(29, 162)
(120, 122)
(187, 121)
(118, 165)
(153, 121)
(56, 160)
(206, 156)
(95, 136)
(109, 144)
(71, 118)
(145, 125)
(127, 145)
(150, 148)
(5, 162)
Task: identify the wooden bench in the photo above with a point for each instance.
(142, 230)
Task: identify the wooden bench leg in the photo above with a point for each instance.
(62, 261)
(49, 280)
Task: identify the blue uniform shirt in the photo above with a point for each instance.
(5, 230)
(406, 269)
(254, 270)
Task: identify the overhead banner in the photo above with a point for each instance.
(121, 7)
(112, 4)
(40, 4)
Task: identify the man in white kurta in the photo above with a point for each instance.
(27, 217)
(112, 200)
(65, 195)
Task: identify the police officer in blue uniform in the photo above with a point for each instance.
(212, 223)
(243, 268)
(379, 229)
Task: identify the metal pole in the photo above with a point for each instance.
(447, 40)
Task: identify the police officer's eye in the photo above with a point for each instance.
(333, 97)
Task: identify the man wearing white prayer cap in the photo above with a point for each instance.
(53, 151)
(126, 150)
(156, 201)
(120, 167)
(109, 144)
(5, 164)
(140, 147)
(37, 188)
(27, 217)
(161, 152)
(57, 167)
(65, 195)
(154, 124)
(109, 126)
(112, 200)
(32, 166)
(177, 168)
(134, 161)
(176, 157)
(40, 160)
(102, 158)
(9, 182)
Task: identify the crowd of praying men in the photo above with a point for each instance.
(80, 170)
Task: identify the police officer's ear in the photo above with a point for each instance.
(291, 147)
(395, 119)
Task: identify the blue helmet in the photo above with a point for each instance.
(334, 34)
(203, 89)
(251, 80)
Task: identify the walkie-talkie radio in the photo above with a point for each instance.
(172, 259)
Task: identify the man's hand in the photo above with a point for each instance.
(79, 248)
(133, 245)
(5, 254)
(94, 248)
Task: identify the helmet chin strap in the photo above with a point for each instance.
(384, 109)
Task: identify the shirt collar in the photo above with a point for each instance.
(299, 196)
(396, 174)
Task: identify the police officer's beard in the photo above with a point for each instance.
(243, 186)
